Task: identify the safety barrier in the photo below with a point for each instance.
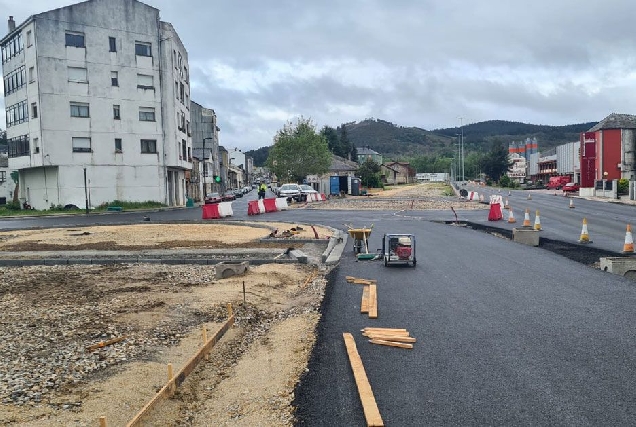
(473, 195)
(261, 206)
(217, 210)
(316, 197)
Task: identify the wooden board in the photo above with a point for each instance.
(373, 302)
(392, 338)
(391, 343)
(369, 405)
(364, 305)
(386, 331)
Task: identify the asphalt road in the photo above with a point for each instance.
(507, 334)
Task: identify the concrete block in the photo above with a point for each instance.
(623, 266)
(226, 269)
(525, 236)
(56, 261)
(20, 262)
(79, 261)
(298, 255)
(332, 242)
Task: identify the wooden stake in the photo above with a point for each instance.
(244, 292)
(170, 376)
(102, 422)
(391, 343)
(230, 312)
(373, 302)
(105, 343)
(369, 405)
(205, 340)
(364, 306)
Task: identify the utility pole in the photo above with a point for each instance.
(461, 127)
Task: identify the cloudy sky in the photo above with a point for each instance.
(422, 63)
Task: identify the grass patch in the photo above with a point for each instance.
(149, 204)
(14, 210)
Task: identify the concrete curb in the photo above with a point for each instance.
(334, 257)
(110, 261)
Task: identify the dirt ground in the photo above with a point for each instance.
(49, 315)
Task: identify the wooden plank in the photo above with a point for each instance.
(373, 302)
(392, 338)
(350, 279)
(105, 343)
(167, 389)
(391, 343)
(386, 331)
(364, 305)
(369, 405)
(365, 282)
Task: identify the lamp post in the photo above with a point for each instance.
(205, 168)
(461, 142)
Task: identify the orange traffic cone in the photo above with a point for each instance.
(526, 219)
(628, 247)
(537, 222)
(571, 203)
(585, 238)
(511, 217)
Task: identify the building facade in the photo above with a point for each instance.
(97, 105)
(205, 143)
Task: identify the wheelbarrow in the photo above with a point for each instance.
(360, 238)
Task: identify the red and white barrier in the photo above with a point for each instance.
(217, 210)
(281, 204)
(473, 195)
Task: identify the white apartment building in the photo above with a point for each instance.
(97, 102)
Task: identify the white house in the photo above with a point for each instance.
(97, 100)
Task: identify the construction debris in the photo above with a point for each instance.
(391, 337)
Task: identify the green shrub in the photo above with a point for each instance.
(623, 186)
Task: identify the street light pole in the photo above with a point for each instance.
(461, 126)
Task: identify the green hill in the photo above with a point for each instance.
(395, 142)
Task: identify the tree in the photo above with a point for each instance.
(298, 151)
(333, 140)
(496, 162)
(347, 147)
(369, 173)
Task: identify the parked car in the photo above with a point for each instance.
(290, 191)
(228, 196)
(238, 192)
(247, 190)
(571, 187)
(211, 198)
(306, 189)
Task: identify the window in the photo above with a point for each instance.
(145, 81)
(181, 92)
(114, 78)
(116, 114)
(31, 74)
(81, 145)
(148, 145)
(117, 145)
(36, 145)
(112, 44)
(34, 110)
(176, 89)
(12, 47)
(183, 149)
(143, 49)
(17, 113)
(79, 110)
(188, 127)
(29, 41)
(19, 146)
(75, 40)
(77, 75)
(146, 114)
(14, 80)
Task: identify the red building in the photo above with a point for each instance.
(608, 149)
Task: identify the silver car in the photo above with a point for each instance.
(290, 191)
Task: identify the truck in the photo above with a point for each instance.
(558, 182)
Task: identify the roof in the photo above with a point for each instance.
(340, 164)
(365, 151)
(616, 121)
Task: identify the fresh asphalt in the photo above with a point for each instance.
(506, 334)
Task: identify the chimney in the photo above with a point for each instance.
(11, 24)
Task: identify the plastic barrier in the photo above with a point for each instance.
(323, 197)
(225, 209)
(252, 207)
(473, 195)
(311, 197)
(261, 206)
(210, 211)
(281, 204)
(270, 204)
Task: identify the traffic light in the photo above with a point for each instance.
(217, 178)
